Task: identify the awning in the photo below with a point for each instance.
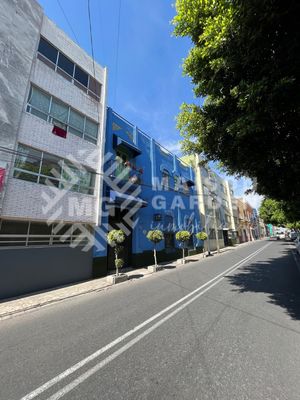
(120, 143)
(126, 200)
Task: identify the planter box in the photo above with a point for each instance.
(113, 279)
(153, 268)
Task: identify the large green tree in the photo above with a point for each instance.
(245, 63)
(271, 211)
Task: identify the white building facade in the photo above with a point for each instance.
(53, 104)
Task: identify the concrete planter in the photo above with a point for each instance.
(113, 279)
(153, 268)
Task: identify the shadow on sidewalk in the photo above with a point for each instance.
(279, 278)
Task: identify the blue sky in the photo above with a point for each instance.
(133, 38)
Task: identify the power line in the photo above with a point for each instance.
(68, 22)
(91, 35)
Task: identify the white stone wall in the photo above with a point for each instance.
(60, 40)
(37, 133)
(25, 200)
(56, 85)
(28, 201)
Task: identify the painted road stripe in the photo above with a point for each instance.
(96, 354)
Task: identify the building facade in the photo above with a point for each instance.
(146, 187)
(53, 104)
(215, 204)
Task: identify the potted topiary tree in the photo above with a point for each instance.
(183, 237)
(155, 237)
(201, 236)
(115, 238)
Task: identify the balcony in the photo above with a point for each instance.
(123, 175)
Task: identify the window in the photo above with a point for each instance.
(165, 179)
(176, 182)
(186, 188)
(91, 131)
(81, 76)
(41, 167)
(48, 50)
(65, 64)
(38, 103)
(94, 86)
(68, 69)
(61, 115)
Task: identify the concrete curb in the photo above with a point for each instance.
(145, 273)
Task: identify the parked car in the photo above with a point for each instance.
(293, 235)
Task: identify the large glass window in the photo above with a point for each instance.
(91, 130)
(81, 76)
(48, 50)
(40, 167)
(38, 103)
(61, 115)
(28, 159)
(68, 69)
(59, 112)
(76, 123)
(65, 64)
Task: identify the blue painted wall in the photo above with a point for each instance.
(168, 210)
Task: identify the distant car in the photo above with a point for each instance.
(293, 235)
(280, 235)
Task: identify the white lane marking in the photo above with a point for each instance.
(66, 389)
(96, 354)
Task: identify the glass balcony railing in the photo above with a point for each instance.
(124, 172)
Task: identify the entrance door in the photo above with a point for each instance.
(226, 239)
(115, 218)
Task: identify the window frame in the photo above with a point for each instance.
(61, 182)
(86, 88)
(50, 119)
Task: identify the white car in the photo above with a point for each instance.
(280, 235)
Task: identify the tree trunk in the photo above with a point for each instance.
(116, 257)
(155, 259)
(183, 258)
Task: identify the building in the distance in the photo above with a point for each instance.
(52, 117)
(146, 187)
(216, 205)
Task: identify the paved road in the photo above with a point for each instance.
(225, 328)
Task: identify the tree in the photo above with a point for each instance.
(183, 237)
(115, 238)
(155, 237)
(202, 236)
(271, 212)
(245, 62)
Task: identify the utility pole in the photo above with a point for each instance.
(207, 228)
(215, 224)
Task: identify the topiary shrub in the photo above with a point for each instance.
(183, 237)
(201, 235)
(115, 238)
(155, 237)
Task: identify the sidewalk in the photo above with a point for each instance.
(20, 305)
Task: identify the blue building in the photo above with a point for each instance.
(145, 187)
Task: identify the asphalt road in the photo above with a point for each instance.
(225, 328)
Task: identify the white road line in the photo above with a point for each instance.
(96, 354)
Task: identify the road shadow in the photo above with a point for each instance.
(136, 276)
(278, 277)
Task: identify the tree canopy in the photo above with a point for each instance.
(271, 211)
(245, 62)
